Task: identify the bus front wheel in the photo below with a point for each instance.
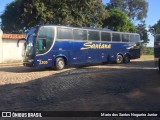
(60, 63)
(119, 59)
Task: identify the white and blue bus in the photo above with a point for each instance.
(58, 46)
(157, 51)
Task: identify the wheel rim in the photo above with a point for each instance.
(61, 64)
(119, 59)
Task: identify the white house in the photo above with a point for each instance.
(9, 51)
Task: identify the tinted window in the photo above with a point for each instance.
(80, 34)
(134, 38)
(157, 37)
(125, 37)
(64, 33)
(137, 38)
(105, 36)
(116, 37)
(45, 39)
(93, 35)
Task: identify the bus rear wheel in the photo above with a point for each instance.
(126, 59)
(119, 59)
(60, 63)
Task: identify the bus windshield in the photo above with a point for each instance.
(30, 41)
(134, 38)
(45, 39)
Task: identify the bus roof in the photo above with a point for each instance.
(88, 28)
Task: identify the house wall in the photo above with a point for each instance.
(9, 51)
(1, 33)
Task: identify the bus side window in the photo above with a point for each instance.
(105, 36)
(64, 33)
(116, 37)
(45, 39)
(137, 38)
(134, 38)
(93, 36)
(131, 39)
(79, 34)
(125, 37)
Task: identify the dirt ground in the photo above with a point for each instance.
(111, 87)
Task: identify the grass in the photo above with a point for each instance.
(147, 56)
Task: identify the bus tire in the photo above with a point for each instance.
(59, 63)
(126, 59)
(119, 59)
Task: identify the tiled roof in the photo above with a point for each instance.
(13, 36)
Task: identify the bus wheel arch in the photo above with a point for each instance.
(119, 59)
(60, 62)
(127, 58)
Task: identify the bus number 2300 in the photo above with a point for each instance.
(43, 62)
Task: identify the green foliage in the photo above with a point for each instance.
(145, 57)
(23, 14)
(135, 9)
(141, 29)
(155, 29)
(147, 50)
(118, 21)
(12, 17)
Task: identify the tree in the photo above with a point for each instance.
(118, 21)
(147, 50)
(11, 18)
(155, 29)
(22, 14)
(141, 29)
(135, 9)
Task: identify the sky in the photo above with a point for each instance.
(152, 17)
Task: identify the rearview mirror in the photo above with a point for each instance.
(19, 41)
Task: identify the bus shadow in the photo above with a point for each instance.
(149, 63)
(98, 89)
(22, 69)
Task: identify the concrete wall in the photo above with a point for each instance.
(9, 52)
(1, 33)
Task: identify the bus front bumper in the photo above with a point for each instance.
(28, 63)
